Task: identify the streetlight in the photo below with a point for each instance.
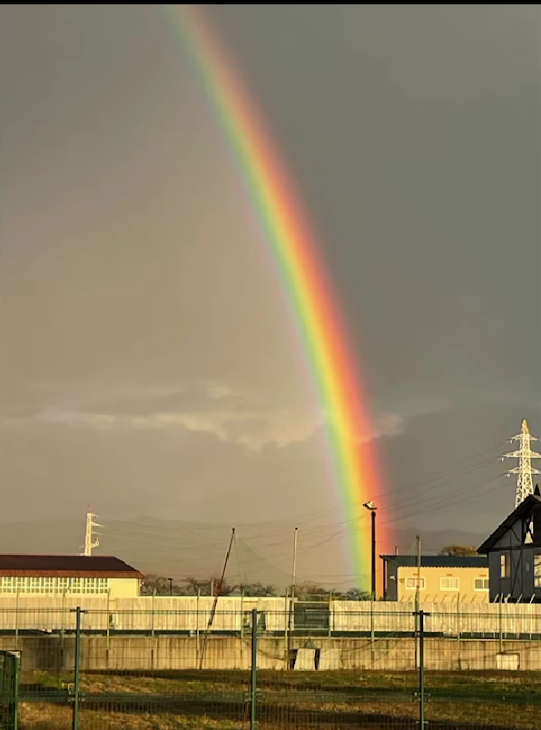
(372, 509)
(170, 586)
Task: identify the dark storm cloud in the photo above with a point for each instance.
(148, 355)
(414, 134)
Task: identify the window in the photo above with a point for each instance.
(537, 570)
(504, 565)
(449, 584)
(528, 526)
(7, 585)
(411, 583)
(53, 585)
(86, 585)
(480, 584)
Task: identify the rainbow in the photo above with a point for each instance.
(330, 360)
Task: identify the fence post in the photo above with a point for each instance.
(108, 626)
(286, 638)
(17, 617)
(331, 614)
(422, 669)
(151, 615)
(416, 633)
(253, 683)
(242, 613)
(75, 723)
(197, 647)
(421, 615)
(458, 628)
(16, 679)
(500, 623)
(290, 625)
(372, 634)
(63, 612)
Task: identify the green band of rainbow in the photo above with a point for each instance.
(330, 361)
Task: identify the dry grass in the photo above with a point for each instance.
(194, 700)
(50, 717)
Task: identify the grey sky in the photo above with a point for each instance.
(148, 359)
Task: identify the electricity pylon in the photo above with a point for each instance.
(524, 470)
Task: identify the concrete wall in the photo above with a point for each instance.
(54, 613)
(50, 654)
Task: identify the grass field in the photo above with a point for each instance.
(294, 700)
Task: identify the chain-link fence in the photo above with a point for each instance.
(305, 668)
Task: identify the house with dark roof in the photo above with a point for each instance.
(68, 574)
(439, 578)
(514, 554)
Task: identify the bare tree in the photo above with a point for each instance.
(308, 590)
(459, 550)
(160, 586)
(355, 594)
(258, 590)
(207, 586)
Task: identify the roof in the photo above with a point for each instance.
(524, 508)
(438, 561)
(66, 566)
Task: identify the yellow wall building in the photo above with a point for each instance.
(68, 575)
(440, 578)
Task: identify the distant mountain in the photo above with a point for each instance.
(435, 541)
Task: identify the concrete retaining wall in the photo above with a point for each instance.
(175, 653)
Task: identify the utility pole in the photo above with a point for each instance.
(292, 599)
(372, 508)
(417, 601)
(90, 524)
(418, 581)
(294, 570)
(524, 470)
(374, 588)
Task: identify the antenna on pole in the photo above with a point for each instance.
(216, 596)
(524, 470)
(89, 533)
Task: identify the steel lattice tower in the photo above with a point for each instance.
(525, 470)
